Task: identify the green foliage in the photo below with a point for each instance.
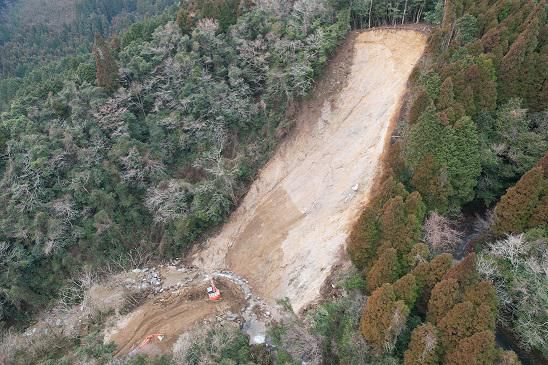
(368, 13)
(365, 236)
(428, 274)
(354, 282)
(218, 344)
(467, 137)
(432, 84)
(406, 289)
(455, 148)
(430, 180)
(106, 68)
(504, 163)
(34, 33)
(514, 210)
(424, 348)
(337, 322)
(523, 64)
(467, 29)
(159, 161)
(383, 319)
(141, 359)
(435, 16)
(486, 79)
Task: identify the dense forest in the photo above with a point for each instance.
(36, 32)
(137, 126)
(475, 130)
(149, 142)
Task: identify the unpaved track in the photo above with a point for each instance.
(291, 227)
(173, 316)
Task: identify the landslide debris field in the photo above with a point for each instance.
(290, 229)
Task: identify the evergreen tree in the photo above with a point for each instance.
(406, 289)
(482, 293)
(454, 148)
(539, 217)
(385, 270)
(445, 295)
(383, 319)
(447, 94)
(478, 349)
(462, 321)
(421, 102)
(467, 29)
(464, 272)
(424, 348)
(400, 221)
(363, 240)
(428, 274)
(419, 253)
(432, 182)
(105, 65)
(463, 160)
(365, 235)
(514, 209)
(516, 66)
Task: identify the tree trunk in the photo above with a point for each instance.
(404, 11)
(370, 9)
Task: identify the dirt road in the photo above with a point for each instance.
(291, 227)
(171, 315)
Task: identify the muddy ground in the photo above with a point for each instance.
(171, 313)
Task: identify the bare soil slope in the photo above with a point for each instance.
(291, 227)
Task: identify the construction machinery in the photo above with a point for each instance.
(213, 292)
(148, 339)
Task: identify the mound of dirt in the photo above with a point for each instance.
(291, 227)
(171, 314)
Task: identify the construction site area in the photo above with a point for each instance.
(288, 234)
(290, 230)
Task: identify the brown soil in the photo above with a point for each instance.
(290, 229)
(172, 314)
(289, 232)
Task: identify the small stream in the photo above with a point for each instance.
(253, 326)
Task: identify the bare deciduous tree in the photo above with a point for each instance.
(440, 234)
(169, 200)
(301, 344)
(510, 248)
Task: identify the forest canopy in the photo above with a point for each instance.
(150, 141)
(137, 126)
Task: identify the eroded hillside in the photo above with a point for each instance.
(291, 227)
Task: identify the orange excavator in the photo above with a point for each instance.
(149, 338)
(213, 292)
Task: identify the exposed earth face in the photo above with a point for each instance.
(291, 228)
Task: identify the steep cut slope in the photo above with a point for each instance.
(291, 227)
